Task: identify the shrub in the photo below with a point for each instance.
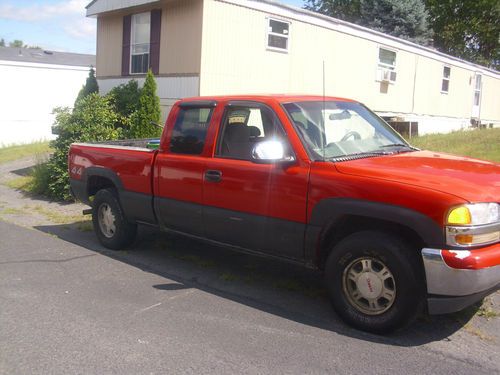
(93, 119)
(125, 99)
(149, 111)
(90, 86)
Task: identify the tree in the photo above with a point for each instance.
(2, 42)
(149, 111)
(16, 43)
(90, 86)
(347, 10)
(467, 29)
(406, 19)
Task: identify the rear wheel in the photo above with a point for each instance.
(375, 281)
(110, 225)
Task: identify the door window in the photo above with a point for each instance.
(244, 126)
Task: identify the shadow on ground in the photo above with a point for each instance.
(278, 288)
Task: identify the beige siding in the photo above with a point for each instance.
(490, 100)
(109, 46)
(180, 51)
(235, 60)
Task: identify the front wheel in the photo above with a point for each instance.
(110, 225)
(375, 281)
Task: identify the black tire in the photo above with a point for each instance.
(363, 293)
(110, 225)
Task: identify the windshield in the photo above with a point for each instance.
(337, 129)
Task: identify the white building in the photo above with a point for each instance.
(33, 82)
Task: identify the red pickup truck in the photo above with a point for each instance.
(319, 181)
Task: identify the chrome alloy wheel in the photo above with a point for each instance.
(106, 220)
(369, 286)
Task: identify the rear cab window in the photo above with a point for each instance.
(190, 130)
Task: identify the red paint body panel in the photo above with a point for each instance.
(470, 179)
(133, 167)
(328, 182)
(481, 258)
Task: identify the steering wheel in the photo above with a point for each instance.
(352, 134)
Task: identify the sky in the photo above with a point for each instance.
(58, 25)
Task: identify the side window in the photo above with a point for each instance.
(278, 35)
(386, 69)
(445, 83)
(190, 131)
(243, 127)
(140, 43)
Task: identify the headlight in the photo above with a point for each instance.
(473, 224)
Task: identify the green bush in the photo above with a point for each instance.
(125, 99)
(149, 111)
(93, 119)
(126, 112)
(90, 86)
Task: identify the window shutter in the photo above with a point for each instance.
(127, 21)
(155, 41)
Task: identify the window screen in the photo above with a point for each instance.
(190, 131)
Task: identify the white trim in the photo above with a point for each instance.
(101, 6)
(273, 8)
(24, 64)
(167, 87)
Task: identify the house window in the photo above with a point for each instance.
(278, 35)
(445, 84)
(477, 90)
(140, 43)
(386, 71)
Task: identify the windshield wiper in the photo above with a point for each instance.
(360, 154)
(399, 145)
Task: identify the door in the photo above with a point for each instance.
(179, 169)
(260, 207)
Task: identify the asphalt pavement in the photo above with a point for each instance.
(170, 305)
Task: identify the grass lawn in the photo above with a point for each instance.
(481, 143)
(10, 153)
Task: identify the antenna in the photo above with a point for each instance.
(323, 131)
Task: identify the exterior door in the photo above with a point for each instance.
(179, 170)
(261, 207)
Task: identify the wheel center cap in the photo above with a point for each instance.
(369, 284)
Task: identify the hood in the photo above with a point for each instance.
(470, 179)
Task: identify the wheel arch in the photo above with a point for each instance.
(337, 218)
(97, 178)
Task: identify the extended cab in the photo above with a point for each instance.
(319, 181)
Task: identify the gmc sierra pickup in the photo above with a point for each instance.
(320, 181)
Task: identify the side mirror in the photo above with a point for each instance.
(268, 152)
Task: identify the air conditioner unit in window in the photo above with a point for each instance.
(386, 75)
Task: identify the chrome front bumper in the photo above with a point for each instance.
(451, 289)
